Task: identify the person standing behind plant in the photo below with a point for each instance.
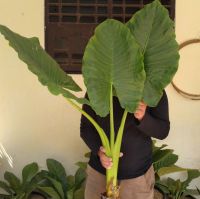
(135, 174)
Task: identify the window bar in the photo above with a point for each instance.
(96, 7)
(124, 11)
(60, 11)
(109, 8)
(172, 9)
(78, 12)
(142, 3)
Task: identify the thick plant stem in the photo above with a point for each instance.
(111, 174)
(112, 189)
(101, 132)
(112, 131)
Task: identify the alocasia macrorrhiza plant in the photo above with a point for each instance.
(133, 61)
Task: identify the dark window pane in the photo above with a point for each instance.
(53, 9)
(102, 1)
(69, 9)
(53, 1)
(127, 19)
(147, 1)
(117, 10)
(87, 19)
(117, 1)
(87, 1)
(165, 2)
(69, 18)
(131, 10)
(77, 56)
(87, 10)
(133, 2)
(102, 10)
(169, 10)
(61, 57)
(118, 18)
(101, 19)
(53, 18)
(69, 1)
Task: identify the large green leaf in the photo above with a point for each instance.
(20, 196)
(164, 158)
(5, 187)
(80, 177)
(82, 165)
(79, 194)
(173, 186)
(13, 180)
(41, 64)
(154, 31)
(57, 171)
(57, 186)
(112, 58)
(70, 194)
(29, 188)
(4, 196)
(192, 174)
(51, 192)
(29, 171)
(162, 186)
(170, 169)
(70, 182)
(157, 148)
(192, 193)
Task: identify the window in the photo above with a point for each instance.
(70, 23)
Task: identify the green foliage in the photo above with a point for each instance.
(176, 188)
(53, 182)
(59, 185)
(164, 158)
(164, 161)
(154, 31)
(112, 59)
(21, 189)
(57, 171)
(41, 64)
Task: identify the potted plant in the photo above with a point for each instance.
(59, 185)
(16, 188)
(164, 163)
(54, 182)
(133, 61)
(177, 189)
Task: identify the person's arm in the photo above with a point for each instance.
(87, 131)
(155, 123)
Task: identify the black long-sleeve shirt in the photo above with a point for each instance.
(136, 142)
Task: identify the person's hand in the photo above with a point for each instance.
(106, 161)
(140, 111)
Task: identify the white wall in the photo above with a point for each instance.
(34, 125)
(184, 113)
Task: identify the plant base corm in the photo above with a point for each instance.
(112, 193)
(103, 196)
